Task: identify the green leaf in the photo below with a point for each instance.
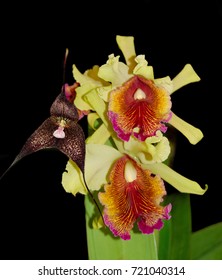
(102, 245)
(174, 238)
(206, 244)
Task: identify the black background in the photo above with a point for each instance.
(39, 220)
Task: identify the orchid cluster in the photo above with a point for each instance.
(128, 113)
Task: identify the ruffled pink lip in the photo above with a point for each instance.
(159, 224)
(137, 200)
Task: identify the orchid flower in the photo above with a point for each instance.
(131, 174)
(138, 103)
(126, 152)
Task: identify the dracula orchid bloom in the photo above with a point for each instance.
(125, 154)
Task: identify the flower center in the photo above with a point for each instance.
(59, 132)
(62, 123)
(130, 173)
(139, 94)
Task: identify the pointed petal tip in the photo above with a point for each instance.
(178, 181)
(205, 188)
(198, 191)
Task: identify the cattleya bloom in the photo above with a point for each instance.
(128, 111)
(130, 182)
(133, 193)
(138, 103)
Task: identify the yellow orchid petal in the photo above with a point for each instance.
(92, 118)
(88, 81)
(134, 146)
(93, 74)
(100, 136)
(103, 92)
(166, 83)
(99, 159)
(87, 84)
(178, 181)
(79, 101)
(157, 153)
(142, 68)
(114, 71)
(193, 134)
(156, 138)
(101, 108)
(126, 45)
(98, 162)
(72, 180)
(186, 76)
(89, 77)
(146, 152)
(98, 105)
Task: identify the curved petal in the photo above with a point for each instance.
(114, 71)
(142, 68)
(92, 118)
(72, 180)
(88, 81)
(100, 136)
(79, 101)
(90, 76)
(157, 153)
(193, 134)
(146, 152)
(178, 181)
(101, 108)
(98, 161)
(104, 92)
(166, 83)
(186, 76)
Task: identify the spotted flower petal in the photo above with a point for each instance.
(139, 108)
(133, 194)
